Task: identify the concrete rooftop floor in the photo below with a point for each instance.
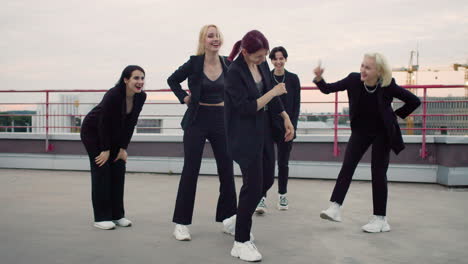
(46, 217)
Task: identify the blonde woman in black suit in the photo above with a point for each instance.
(204, 119)
(373, 122)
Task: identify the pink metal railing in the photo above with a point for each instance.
(336, 115)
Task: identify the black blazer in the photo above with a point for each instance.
(291, 102)
(107, 124)
(193, 70)
(385, 95)
(244, 124)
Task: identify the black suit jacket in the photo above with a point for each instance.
(244, 124)
(385, 95)
(107, 124)
(291, 102)
(193, 71)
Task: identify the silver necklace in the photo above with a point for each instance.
(282, 81)
(368, 90)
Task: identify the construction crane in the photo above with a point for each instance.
(411, 70)
(411, 79)
(455, 68)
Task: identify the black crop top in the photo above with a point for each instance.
(212, 92)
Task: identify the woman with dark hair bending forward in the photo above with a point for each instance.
(106, 132)
(373, 122)
(251, 101)
(204, 119)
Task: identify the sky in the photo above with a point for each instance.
(56, 44)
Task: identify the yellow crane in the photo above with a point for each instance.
(411, 79)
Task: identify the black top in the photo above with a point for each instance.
(260, 87)
(291, 100)
(108, 123)
(192, 70)
(244, 124)
(369, 120)
(354, 86)
(261, 90)
(212, 92)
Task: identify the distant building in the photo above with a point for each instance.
(448, 106)
(161, 117)
(10, 120)
(61, 117)
(66, 115)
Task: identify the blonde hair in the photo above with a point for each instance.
(383, 68)
(202, 38)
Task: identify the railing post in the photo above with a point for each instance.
(336, 150)
(47, 122)
(423, 147)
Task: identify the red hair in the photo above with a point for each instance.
(252, 42)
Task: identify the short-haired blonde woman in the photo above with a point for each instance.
(373, 122)
(204, 119)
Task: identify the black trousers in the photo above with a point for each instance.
(107, 184)
(358, 143)
(209, 124)
(284, 150)
(257, 177)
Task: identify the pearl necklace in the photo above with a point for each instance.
(282, 81)
(368, 90)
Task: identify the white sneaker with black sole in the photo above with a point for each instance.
(182, 233)
(377, 224)
(333, 213)
(105, 225)
(246, 251)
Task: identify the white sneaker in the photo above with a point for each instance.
(261, 207)
(246, 251)
(333, 213)
(122, 222)
(106, 225)
(229, 227)
(182, 233)
(376, 224)
(283, 203)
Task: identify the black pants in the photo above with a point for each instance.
(284, 150)
(209, 124)
(257, 177)
(107, 184)
(358, 143)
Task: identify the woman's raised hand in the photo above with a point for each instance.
(318, 71)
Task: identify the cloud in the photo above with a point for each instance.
(73, 44)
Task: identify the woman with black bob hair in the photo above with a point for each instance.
(106, 132)
(250, 102)
(292, 104)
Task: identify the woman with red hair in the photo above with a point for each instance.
(250, 103)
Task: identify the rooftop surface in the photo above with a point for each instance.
(46, 217)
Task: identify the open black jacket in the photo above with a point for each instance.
(244, 124)
(385, 95)
(193, 71)
(291, 102)
(107, 124)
